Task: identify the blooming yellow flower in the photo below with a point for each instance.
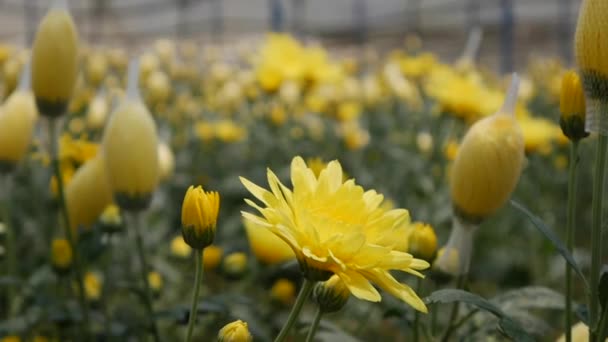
(61, 254)
(212, 256)
(283, 291)
(54, 62)
(336, 227)
(76, 151)
(199, 216)
(236, 331)
(266, 246)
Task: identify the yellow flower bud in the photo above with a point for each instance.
(130, 145)
(179, 248)
(166, 161)
(96, 68)
(266, 246)
(591, 48)
(488, 163)
(283, 291)
(88, 193)
(572, 107)
(61, 255)
(235, 264)
(331, 295)
(212, 256)
(422, 241)
(93, 285)
(55, 61)
(236, 331)
(111, 216)
(155, 280)
(97, 113)
(199, 216)
(11, 72)
(158, 87)
(17, 119)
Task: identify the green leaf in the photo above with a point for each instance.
(509, 326)
(537, 297)
(550, 235)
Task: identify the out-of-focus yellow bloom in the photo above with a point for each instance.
(235, 264)
(560, 162)
(283, 291)
(155, 281)
(148, 63)
(130, 145)
(54, 62)
(76, 125)
(97, 113)
(111, 215)
(11, 338)
(539, 134)
(76, 151)
(96, 68)
(266, 246)
(165, 49)
(204, 131)
(580, 333)
(418, 65)
(67, 171)
(11, 72)
(61, 255)
(401, 87)
(93, 285)
(17, 118)
(331, 295)
(158, 87)
(179, 248)
(572, 107)
(424, 141)
(212, 256)
(117, 59)
(289, 92)
(278, 116)
(236, 331)
(166, 161)
(199, 216)
(488, 163)
(88, 194)
(422, 241)
(345, 232)
(228, 131)
(348, 110)
(354, 136)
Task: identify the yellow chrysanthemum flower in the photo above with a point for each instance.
(267, 247)
(337, 227)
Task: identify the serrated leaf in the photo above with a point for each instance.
(510, 327)
(550, 235)
(530, 297)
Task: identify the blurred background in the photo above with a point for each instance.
(514, 30)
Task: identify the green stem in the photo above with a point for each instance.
(198, 278)
(416, 313)
(144, 273)
(52, 126)
(603, 327)
(11, 246)
(596, 233)
(314, 325)
(570, 233)
(454, 312)
(307, 286)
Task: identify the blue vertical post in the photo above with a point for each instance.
(277, 15)
(507, 36)
(217, 20)
(360, 24)
(564, 29)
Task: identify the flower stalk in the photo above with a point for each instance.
(198, 278)
(307, 286)
(314, 325)
(52, 126)
(11, 250)
(572, 180)
(136, 223)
